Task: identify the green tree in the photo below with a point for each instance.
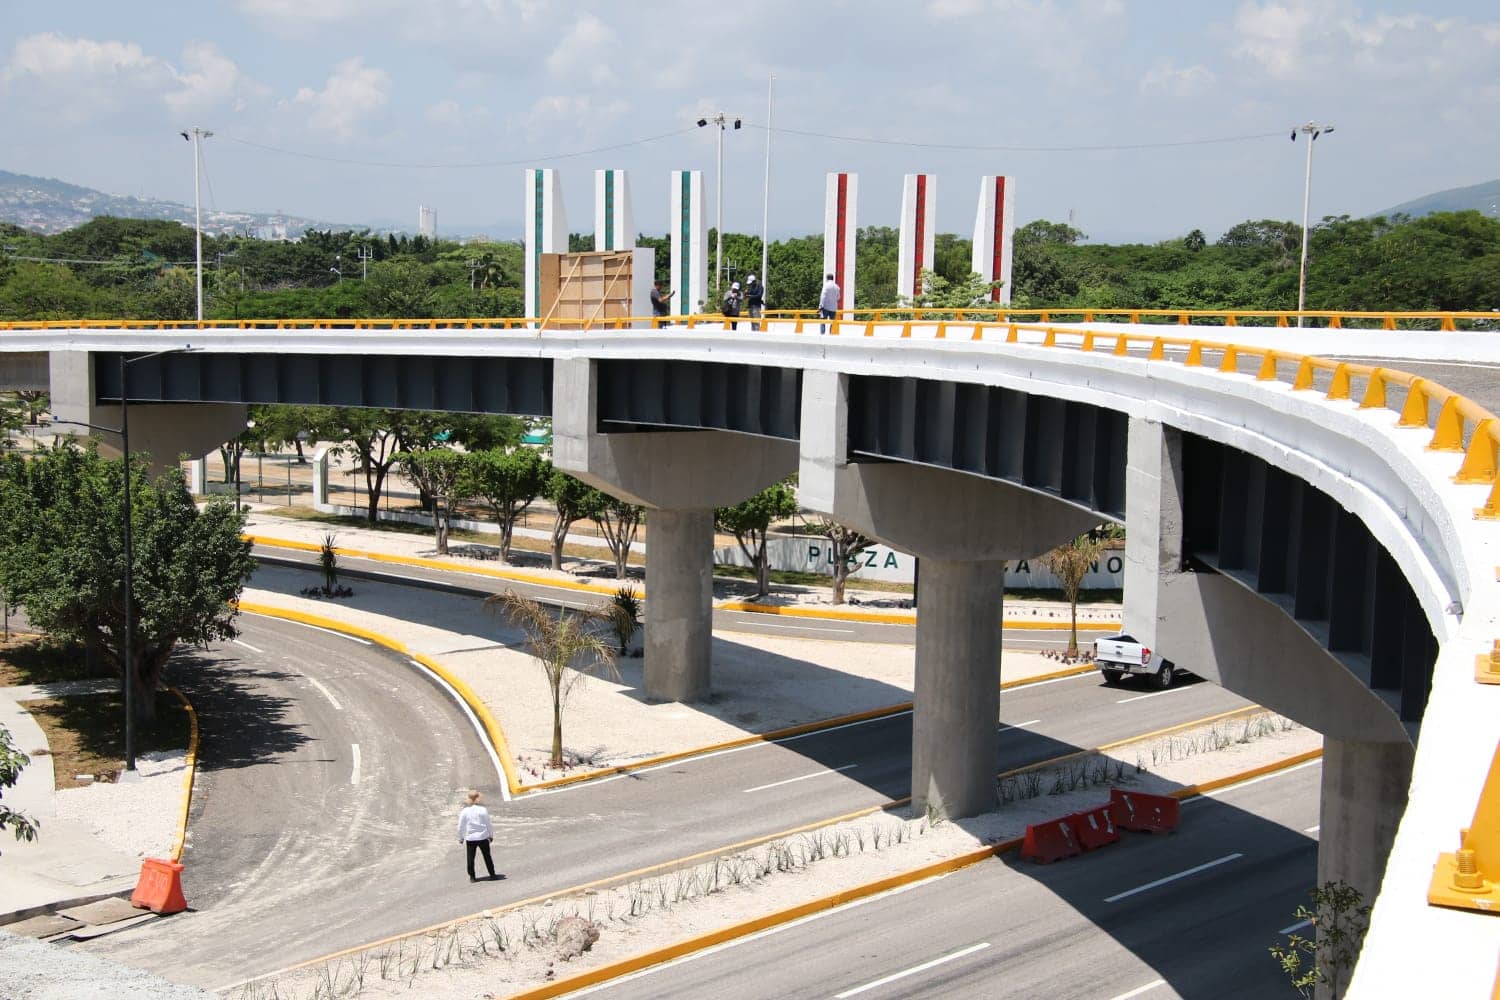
(62, 556)
(1339, 917)
(401, 289)
(619, 520)
(438, 473)
(575, 501)
(12, 761)
(750, 521)
(566, 646)
(1070, 562)
(505, 481)
(846, 545)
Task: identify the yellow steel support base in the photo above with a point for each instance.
(1469, 878)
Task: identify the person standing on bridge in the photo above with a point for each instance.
(732, 306)
(828, 302)
(475, 834)
(755, 299)
(661, 305)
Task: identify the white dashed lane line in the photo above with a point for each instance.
(354, 776)
(794, 628)
(1173, 878)
(327, 694)
(1139, 990)
(815, 774)
(893, 977)
(242, 642)
(1020, 725)
(1153, 694)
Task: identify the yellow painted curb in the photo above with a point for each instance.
(687, 946)
(773, 735)
(481, 711)
(892, 617)
(191, 767)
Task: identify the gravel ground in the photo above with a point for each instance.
(138, 818)
(31, 970)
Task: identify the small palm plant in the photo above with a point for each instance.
(328, 561)
(624, 614)
(566, 645)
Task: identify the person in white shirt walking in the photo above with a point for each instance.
(828, 302)
(474, 833)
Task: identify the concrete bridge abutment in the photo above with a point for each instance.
(680, 477)
(1221, 629)
(964, 529)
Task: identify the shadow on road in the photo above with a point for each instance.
(242, 724)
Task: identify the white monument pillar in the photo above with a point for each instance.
(614, 223)
(546, 229)
(918, 226)
(689, 242)
(993, 224)
(839, 229)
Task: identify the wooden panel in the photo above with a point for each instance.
(581, 287)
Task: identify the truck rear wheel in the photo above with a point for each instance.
(1166, 675)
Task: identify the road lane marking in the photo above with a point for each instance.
(354, 777)
(327, 694)
(242, 642)
(1058, 680)
(1253, 781)
(1153, 694)
(815, 774)
(951, 956)
(341, 635)
(1173, 878)
(1295, 927)
(1313, 829)
(484, 737)
(1019, 725)
(1141, 989)
(798, 628)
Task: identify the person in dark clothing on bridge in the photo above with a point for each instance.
(755, 299)
(661, 305)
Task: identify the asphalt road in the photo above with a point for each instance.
(732, 621)
(290, 859)
(1132, 920)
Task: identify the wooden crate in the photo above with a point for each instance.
(583, 288)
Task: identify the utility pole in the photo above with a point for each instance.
(1312, 130)
(721, 119)
(365, 254)
(196, 135)
(765, 206)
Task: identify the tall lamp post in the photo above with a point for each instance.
(196, 135)
(1312, 130)
(721, 119)
(127, 644)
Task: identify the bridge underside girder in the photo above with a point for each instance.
(645, 394)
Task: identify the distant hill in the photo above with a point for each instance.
(1483, 197)
(52, 206)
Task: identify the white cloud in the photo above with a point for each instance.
(79, 78)
(299, 18)
(1166, 80)
(589, 51)
(352, 95)
(209, 79)
(575, 114)
(452, 115)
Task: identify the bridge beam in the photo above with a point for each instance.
(963, 528)
(680, 476)
(164, 430)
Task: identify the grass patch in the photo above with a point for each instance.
(86, 733)
(29, 659)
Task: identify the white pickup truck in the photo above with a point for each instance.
(1118, 655)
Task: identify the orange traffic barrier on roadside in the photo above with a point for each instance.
(159, 888)
(1096, 828)
(1049, 841)
(1144, 813)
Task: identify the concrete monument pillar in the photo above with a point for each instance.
(546, 228)
(689, 242)
(918, 229)
(840, 224)
(614, 223)
(993, 224)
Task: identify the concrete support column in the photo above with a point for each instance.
(198, 476)
(955, 723)
(1364, 796)
(320, 479)
(679, 604)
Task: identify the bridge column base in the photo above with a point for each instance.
(679, 604)
(955, 734)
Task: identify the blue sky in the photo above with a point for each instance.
(94, 93)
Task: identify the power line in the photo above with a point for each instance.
(104, 260)
(1098, 148)
(459, 166)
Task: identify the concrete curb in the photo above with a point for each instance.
(191, 768)
(465, 694)
(687, 946)
(893, 617)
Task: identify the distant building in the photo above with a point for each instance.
(427, 222)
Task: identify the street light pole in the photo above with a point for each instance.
(721, 119)
(197, 135)
(1312, 130)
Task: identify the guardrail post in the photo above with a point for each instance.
(1479, 458)
(1182, 319)
(906, 330)
(1267, 372)
(1230, 362)
(1088, 340)
(869, 327)
(1304, 379)
(1158, 350)
(1230, 320)
(1335, 322)
(1122, 343)
(1194, 355)
(1339, 387)
(1446, 324)
(1390, 322)
(942, 330)
(1374, 391)
(1414, 410)
(1050, 340)
(1281, 320)
(1448, 434)
(1012, 334)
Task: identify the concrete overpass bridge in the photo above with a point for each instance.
(1319, 536)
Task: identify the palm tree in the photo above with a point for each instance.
(566, 646)
(1070, 562)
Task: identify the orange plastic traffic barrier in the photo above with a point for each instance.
(1049, 841)
(1095, 827)
(1144, 813)
(159, 888)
